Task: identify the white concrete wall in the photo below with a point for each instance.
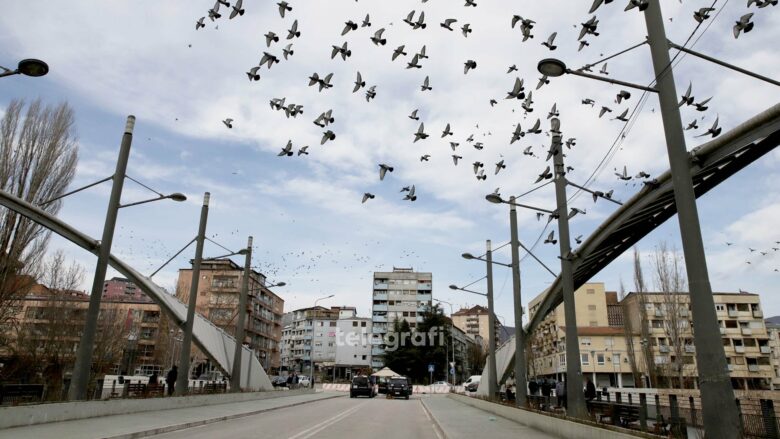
(65, 411)
(352, 343)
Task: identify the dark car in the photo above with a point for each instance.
(382, 385)
(361, 385)
(400, 387)
(279, 381)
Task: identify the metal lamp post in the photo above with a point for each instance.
(235, 376)
(83, 363)
(27, 67)
(183, 378)
(452, 341)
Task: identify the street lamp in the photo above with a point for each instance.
(28, 67)
(83, 363)
(311, 350)
(452, 339)
(554, 67)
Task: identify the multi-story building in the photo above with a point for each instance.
(309, 337)
(353, 345)
(746, 341)
(604, 344)
(402, 294)
(773, 330)
(474, 322)
(49, 326)
(119, 288)
(463, 345)
(218, 295)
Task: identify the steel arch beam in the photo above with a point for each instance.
(213, 341)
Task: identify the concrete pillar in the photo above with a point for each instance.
(620, 379)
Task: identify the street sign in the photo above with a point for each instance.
(430, 368)
(452, 371)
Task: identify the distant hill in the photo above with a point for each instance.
(773, 320)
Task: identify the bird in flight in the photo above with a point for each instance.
(384, 169)
(367, 196)
(426, 85)
(228, 122)
(551, 238)
(420, 134)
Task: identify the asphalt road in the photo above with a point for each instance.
(339, 418)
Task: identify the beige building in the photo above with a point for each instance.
(474, 322)
(603, 342)
(746, 341)
(218, 295)
(773, 330)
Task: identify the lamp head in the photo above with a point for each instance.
(468, 256)
(494, 198)
(551, 67)
(243, 251)
(177, 196)
(454, 287)
(281, 284)
(33, 67)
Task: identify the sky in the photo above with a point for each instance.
(112, 59)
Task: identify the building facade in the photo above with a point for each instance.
(218, 296)
(402, 294)
(353, 345)
(604, 344)
(474, 322)
(746, 341)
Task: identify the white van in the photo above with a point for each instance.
(472, 383)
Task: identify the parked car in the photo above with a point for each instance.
(382, 385)
(361, 385)
(399, 386)
(441, 383)
(472, 383)
(303, 381)
(279, 381)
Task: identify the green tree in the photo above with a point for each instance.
(411, 351)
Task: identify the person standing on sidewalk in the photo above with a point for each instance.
(560, 392)
(170, 379)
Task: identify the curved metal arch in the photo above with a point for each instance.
(213, 341)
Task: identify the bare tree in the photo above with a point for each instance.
(38, 156)
(628, 334)
(671, 283)
(644, 323)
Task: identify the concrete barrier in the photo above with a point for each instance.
(66, 411)
(440, 389)
(555, 426)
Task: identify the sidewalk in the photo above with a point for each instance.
(459, 420)
(147, 423)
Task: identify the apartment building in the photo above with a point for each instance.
(119, 288)
(604, 346)
(402, 294)
(309, 337)
(474, 322)
(746, 340)
(218, 295)
(773, 330)
(353, 345)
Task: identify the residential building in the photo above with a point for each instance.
(353, 345)
(474, 322)
(773, 330)
(402, 294)
(218, 295)
(309, 338)
(463, 345)
(119, 288)
(604, 346)
(746, 341)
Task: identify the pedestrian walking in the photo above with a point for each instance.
(290, 381)
(533, 387)
(590, 390)
(560, 392)
(295, 381)
(170, 379)
(153, 379)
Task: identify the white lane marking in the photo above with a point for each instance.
(430, 419)
(311, 431)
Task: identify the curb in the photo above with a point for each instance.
(170, 428)
(436, 426)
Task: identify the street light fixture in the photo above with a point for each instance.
(554, 68)
(28, 67)
(176, 196)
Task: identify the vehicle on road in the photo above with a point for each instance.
(441, 383)
(303, 381)
(279, 381)
(472, 383)
(361, 385)
(399, 386)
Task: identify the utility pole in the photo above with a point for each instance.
(520, 366)
(719, 409)
(575, 397)
(83, 365)
(493, 379)
(183, 379)
(235, 376)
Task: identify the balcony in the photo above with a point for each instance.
(663, 349)
(765, 349)
(424, 297)
(379, 319)
(690, 348)
(753, 367)
(746, 331)
(380, 286)
(380, 308)
(733, 313)
(731, 367)
(739, 349)
(722, 331)
(425, 286)
(380, 296)
(757, 313)
(378, 330)
(659, 312)
(377, 351)
(684, 312)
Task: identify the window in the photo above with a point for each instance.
(600, 359)
(562, 360)
(739, 360)
(591, 307)
(615, 358)
(594, 323)
(720, 307)
(333, 323)
(608, 341)
(364, 357)
(362, 324)
(224, 281)
(585, 360)
(590, 291)
(354, 324)
(585, 341)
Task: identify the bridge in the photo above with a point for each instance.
(213, 341)
(711, 164)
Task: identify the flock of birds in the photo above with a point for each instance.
(768, 253)
(280, 48)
